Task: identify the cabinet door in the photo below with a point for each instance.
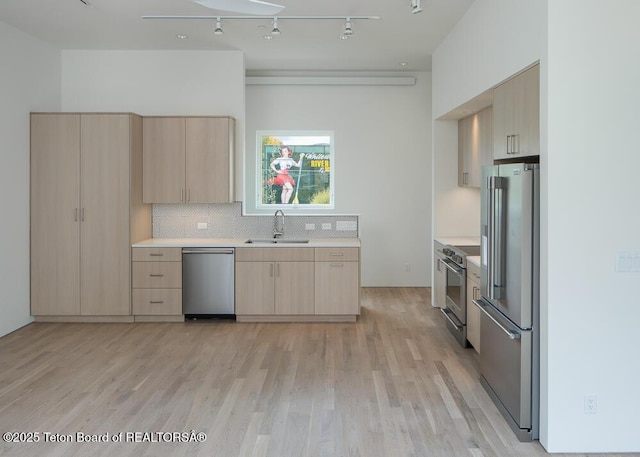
(294, 288)
(516, 116)
(55, 209)
(503, 99)
(475, 147)
(337, 288)
(439, 283)
(105, 247)
(255, 293)
(466, 153)
(485, 143)
(209, 167)
(163, 160)
(473, 315)
(526, 115)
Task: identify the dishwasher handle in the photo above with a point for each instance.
(207, 251)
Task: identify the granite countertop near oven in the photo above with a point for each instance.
(242, 242)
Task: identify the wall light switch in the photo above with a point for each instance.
(203, 226)
(309, 226)
(326, 226)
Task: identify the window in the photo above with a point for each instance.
(295, 169)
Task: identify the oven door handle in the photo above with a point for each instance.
(453, 267)
(446, 313)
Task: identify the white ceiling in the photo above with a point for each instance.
(398, 36)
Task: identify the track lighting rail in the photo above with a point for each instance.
(264, 17)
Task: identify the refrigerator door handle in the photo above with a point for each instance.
(497, 187)
(512, 334)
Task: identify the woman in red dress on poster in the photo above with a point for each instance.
(281, 165)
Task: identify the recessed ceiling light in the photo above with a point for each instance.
(181, 36)
(404, 64)
(268, 37)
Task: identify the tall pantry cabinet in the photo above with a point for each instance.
(86, 211)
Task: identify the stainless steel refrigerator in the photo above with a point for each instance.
(510, 322)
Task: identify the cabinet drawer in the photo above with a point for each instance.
(156, 254)
(274, 254)
(337, 254)
(157, 302)
(157, 275)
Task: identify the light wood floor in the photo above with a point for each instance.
(393, 384)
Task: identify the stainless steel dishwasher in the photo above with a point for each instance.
(208, 283)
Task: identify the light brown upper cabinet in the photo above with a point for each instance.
(516, 116)
(188, 159)
(86, 210)
(475, 146)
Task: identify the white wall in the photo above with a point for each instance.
(382, 164)
(158, 83)
(589, 162)
(456, 209)
(29, 81)
(593, 213)
(494, 40)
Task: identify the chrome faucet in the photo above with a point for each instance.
(278, 233)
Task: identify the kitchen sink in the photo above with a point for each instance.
(275, 241)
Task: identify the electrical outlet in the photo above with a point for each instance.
(309, 226)
(326, 226)
(203, 226)
(346, 226)
(590, 404)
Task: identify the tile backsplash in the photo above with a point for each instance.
(227, 221)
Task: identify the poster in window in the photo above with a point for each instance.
(295, 169)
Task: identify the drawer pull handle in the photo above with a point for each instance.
(156, 302)
(337, 264)
(156, 255)
(336, 254)
(156, 276)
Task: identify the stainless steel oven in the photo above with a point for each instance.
(455, 311)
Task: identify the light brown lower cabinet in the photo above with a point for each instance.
(157, 282)
(297, 284)
(337, 281)
(439, 277)
(274, 281)
(473, 313)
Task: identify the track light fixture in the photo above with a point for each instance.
(275, 30)
(416, 6)
(348, 31)
(218, 30)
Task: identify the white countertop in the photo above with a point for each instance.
(241, 242)
(459, 240)
(474, 259)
